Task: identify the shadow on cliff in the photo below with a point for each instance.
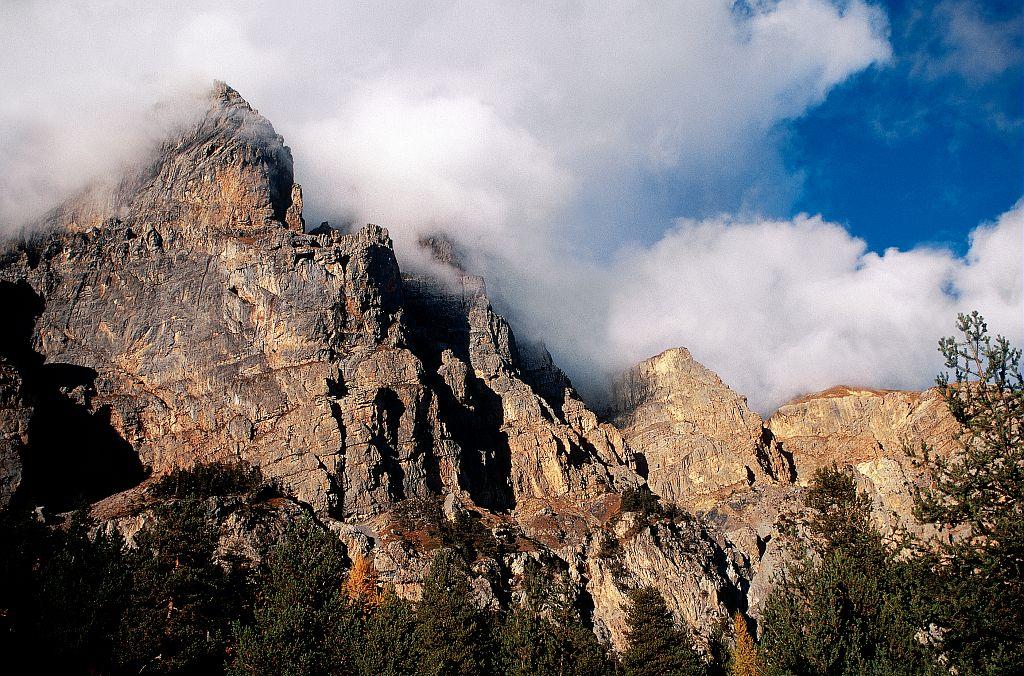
(486, 455)
(390, 409)
(73, 455)
(475, 422)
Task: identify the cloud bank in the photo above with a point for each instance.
(543, 140)
(784, 307)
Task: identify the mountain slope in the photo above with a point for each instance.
(185, 316)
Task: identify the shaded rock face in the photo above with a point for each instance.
(518, 443)
(695, 440)
(59, 449)
(749, 527)
(15, 414)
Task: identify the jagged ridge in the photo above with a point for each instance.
(186, 317)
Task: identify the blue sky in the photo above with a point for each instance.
(922, 149)
(914, 149)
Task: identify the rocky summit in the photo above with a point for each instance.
(696, 440)
(186, 315)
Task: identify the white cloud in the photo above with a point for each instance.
(590, 95)
(524, 133)
(780, 308)
(430, 164)
(973, 46)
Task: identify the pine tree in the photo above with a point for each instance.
(977, 499)
(543, 634)
(180, 602)
(451, 633)
(578, 650)
(303, 623)
(744, 659)
(389, 647)
(846, 605)
(526, 639)
(656, 646)
(62, 592)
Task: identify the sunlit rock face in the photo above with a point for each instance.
(695, 439)
(873, 432)
(698, 445)
(214, 328)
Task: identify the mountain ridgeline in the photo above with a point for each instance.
(187, 316)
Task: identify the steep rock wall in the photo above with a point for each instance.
(871, 432)
(696, 440)
(213, 327)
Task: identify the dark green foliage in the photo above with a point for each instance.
(526, 642)
(847, 605)
(61, 594)
(388, 647)
(656, 646)
(466, 535)
(641, 500)
(451, 635)
(181, 602)
(649, 506)
(543, 634)
(209, 480)
(303, 622)
(978, 496)
(80, 602)
(841, 517)
(74, 601)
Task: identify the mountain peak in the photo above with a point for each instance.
(696, 436)
(226, 171)
(226, 95)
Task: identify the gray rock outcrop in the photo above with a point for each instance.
(15, 413)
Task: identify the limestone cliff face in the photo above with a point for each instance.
(695, 574)
(212, 327)
(696, 441)
(700, 446)
(186, 316)
(869, 431)
(851, 426)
